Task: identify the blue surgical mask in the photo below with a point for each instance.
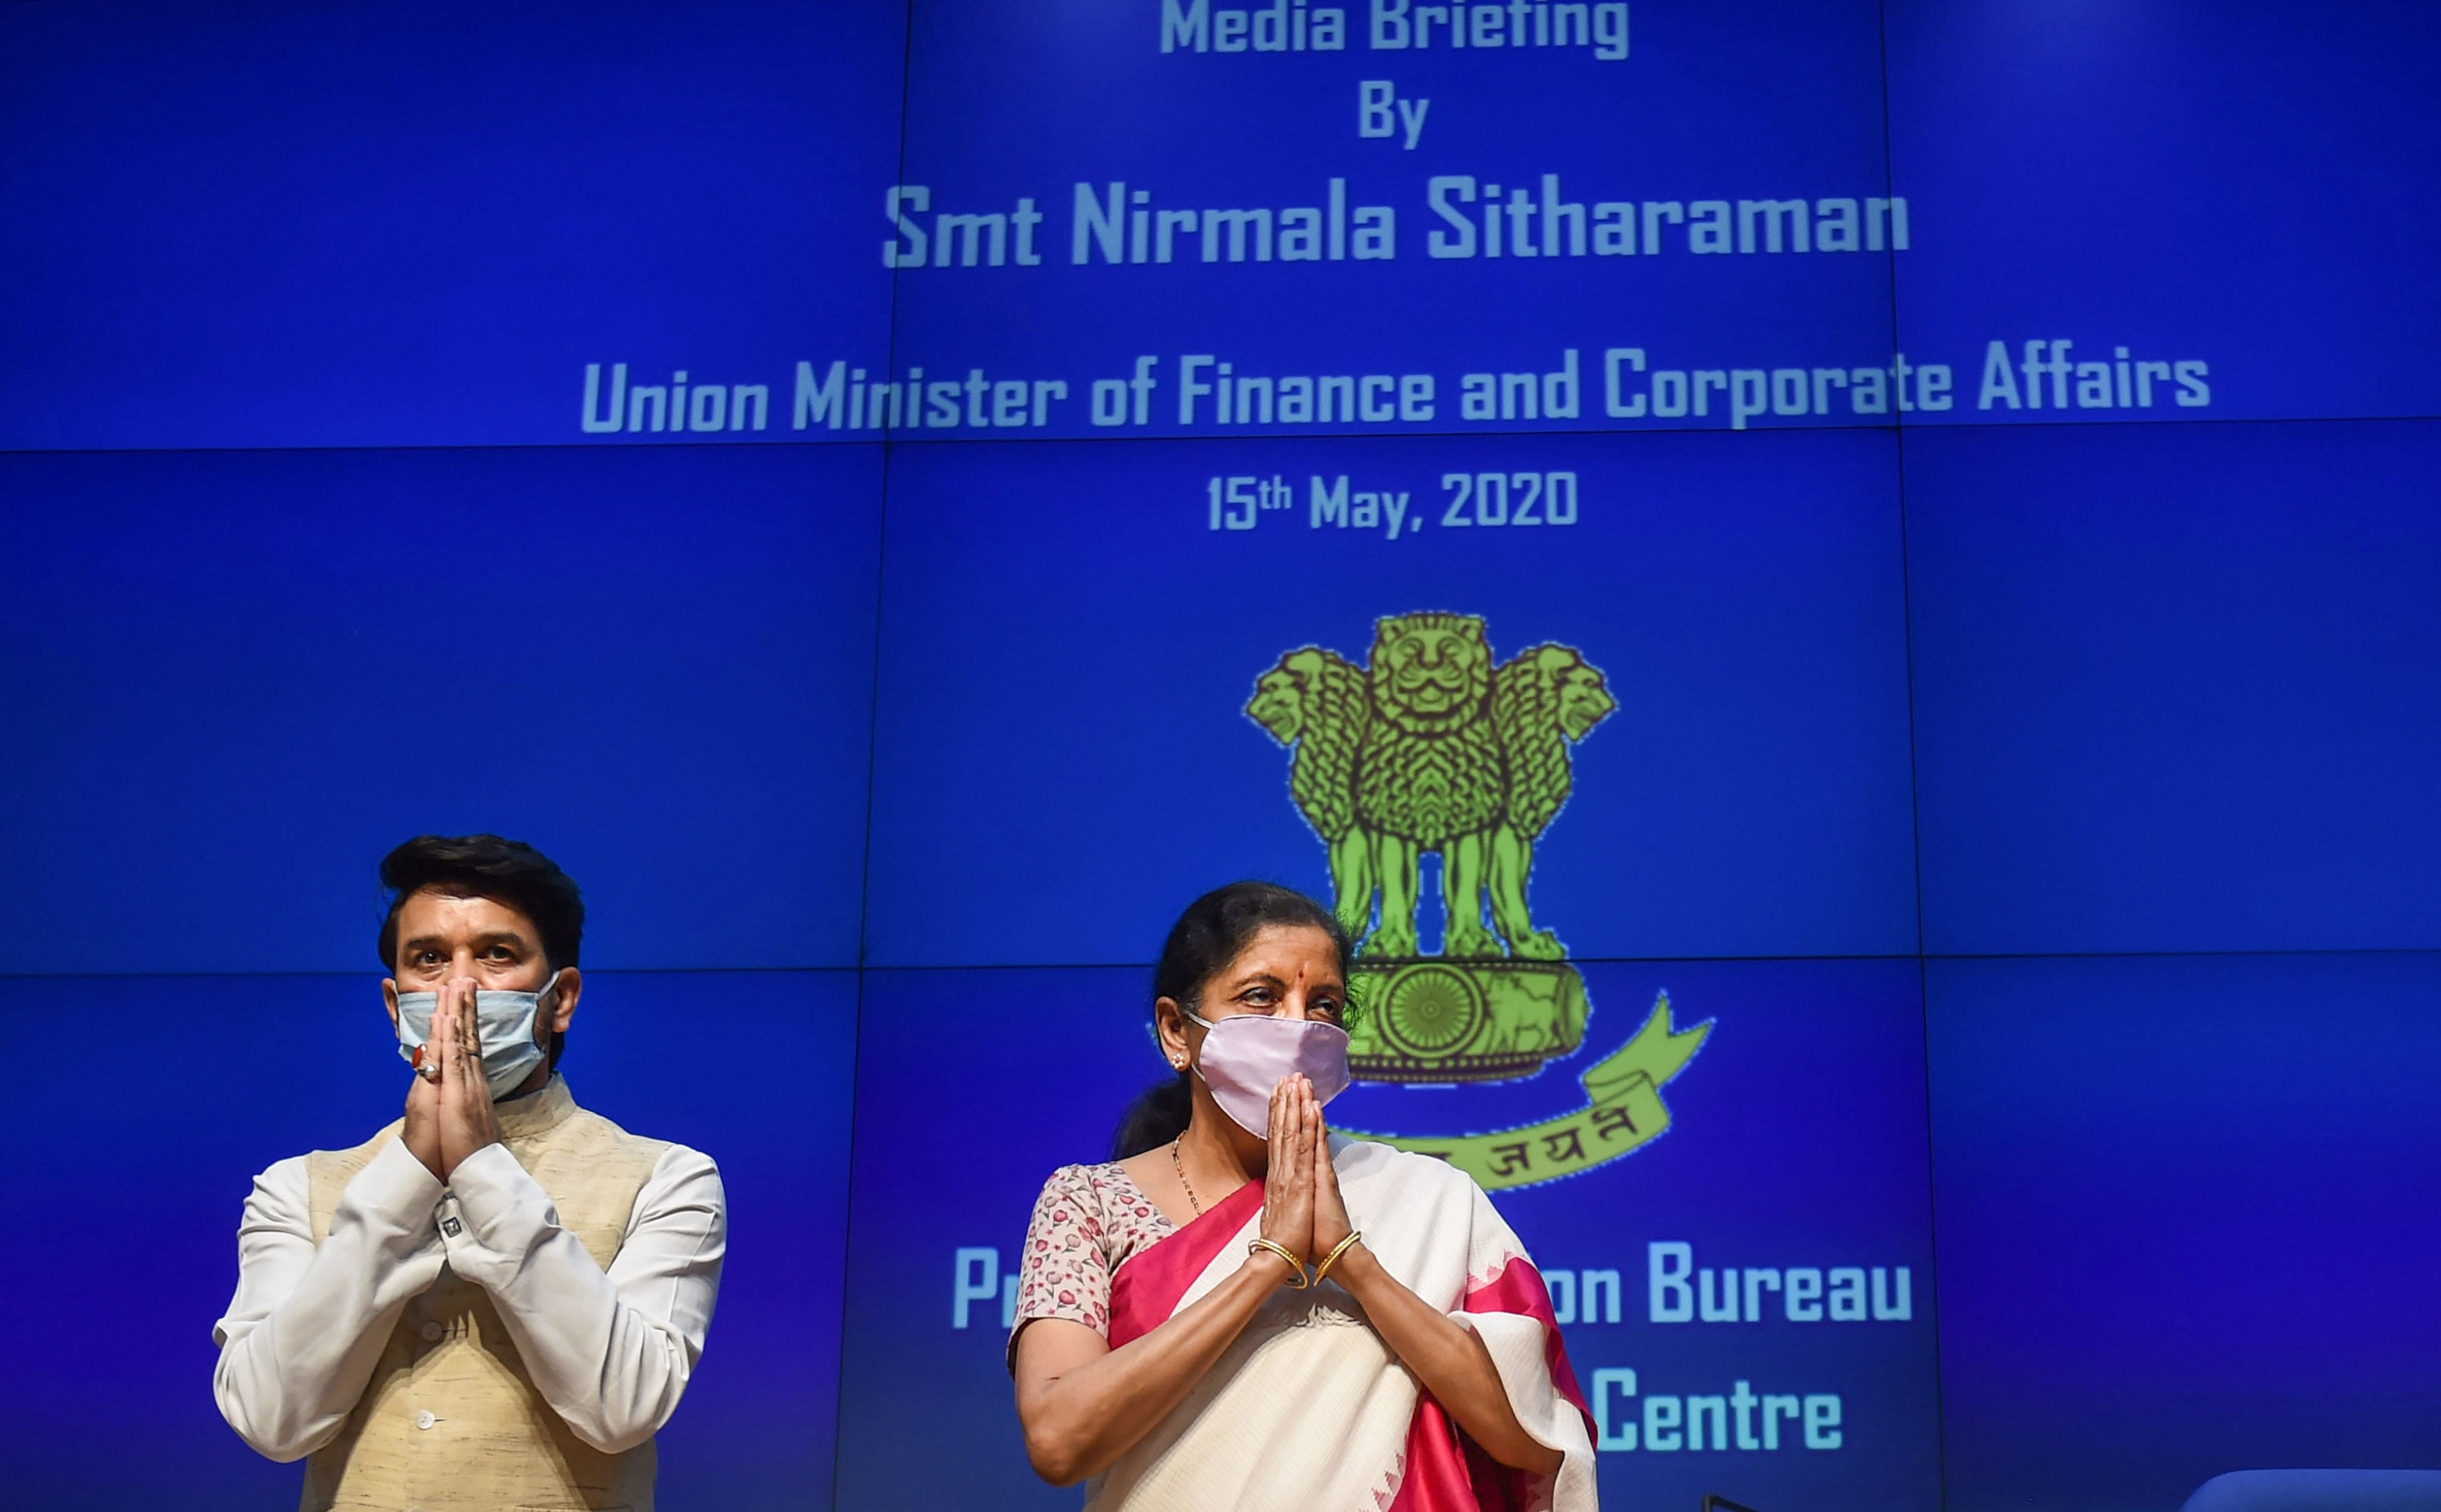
(504, 1019)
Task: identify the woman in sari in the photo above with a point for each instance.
(1245, 1312)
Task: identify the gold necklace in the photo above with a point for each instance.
(1180, 1166)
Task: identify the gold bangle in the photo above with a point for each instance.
(1296, 1265)
(1336, 1251)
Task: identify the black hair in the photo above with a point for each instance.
(1215, 929)
(486, 866)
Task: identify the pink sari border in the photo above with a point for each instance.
(1446, 1471)
(1148, 1284)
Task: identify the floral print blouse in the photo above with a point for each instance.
(1089, 1219)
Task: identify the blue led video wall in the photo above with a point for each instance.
(894, 497)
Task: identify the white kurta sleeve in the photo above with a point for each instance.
(308, 1322)
(610, 1351)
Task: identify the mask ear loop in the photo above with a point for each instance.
(534, 1024)
(550, 994)
(1152, 1031)
(1183, 1067)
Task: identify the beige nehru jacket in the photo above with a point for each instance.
(512, 1341)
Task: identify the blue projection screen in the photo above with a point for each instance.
(901, 497)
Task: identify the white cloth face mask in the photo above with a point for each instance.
(1246, 1057)
(504, 1019)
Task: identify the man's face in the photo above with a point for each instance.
(441, 938)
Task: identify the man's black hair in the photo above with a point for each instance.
(486, 866)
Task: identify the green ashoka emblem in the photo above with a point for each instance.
(1432, 1010)
(1434, 747)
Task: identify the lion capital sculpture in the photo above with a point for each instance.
(1430, 749)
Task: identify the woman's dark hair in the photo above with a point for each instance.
(1215, 929)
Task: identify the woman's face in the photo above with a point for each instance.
(1287, 971)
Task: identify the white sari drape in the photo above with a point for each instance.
(1309, 1411)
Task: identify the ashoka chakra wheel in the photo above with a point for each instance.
(1432, 1010)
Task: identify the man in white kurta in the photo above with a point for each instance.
(490, 1304)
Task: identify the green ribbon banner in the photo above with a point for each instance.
(1624, 1111)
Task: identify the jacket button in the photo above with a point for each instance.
(424, 1419)
(431, 1333)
